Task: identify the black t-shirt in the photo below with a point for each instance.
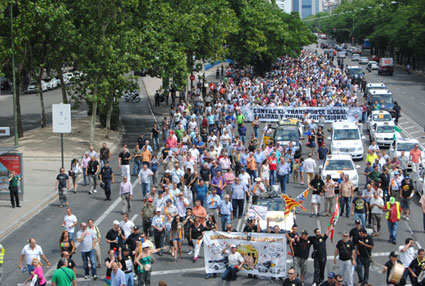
(359, 205)
(71, 264)
(62, 178)
(345, 249)
(363, 250)
(302, 248)
(406, 189)
(205, 174)
(104, 154)
(319, 136)
(295, 282)
(131, 241)
(317, 184)
(188, 178)
(108, 270)
(165, 152)
(106, 173)
(417, 266)
(389, 264)
(355, 235)
(92, 167)
(292, 235)
(124, 158)
(197, 231)
(155, 133)
(319, 244)
(248, 228)
(113, 235)
(126, 263)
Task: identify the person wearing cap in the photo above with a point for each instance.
(301, 246)
(235, 262)
(331, 280)
(358, 208)
(388, 266)
(365, 246)
(158, 224)
(107, 177)
(115, 237)
(132, 239)
(169, 208)
(256, 190)
(346, 250)
(393, 215)
(406, 195)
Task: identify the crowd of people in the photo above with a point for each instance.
(204, 167)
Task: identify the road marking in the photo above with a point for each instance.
(409, 127)
(416, 131)
(96, 222)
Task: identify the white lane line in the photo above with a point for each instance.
(422, 103)
(411, 232)
(409, 127)
(96, 222)
(416, 131)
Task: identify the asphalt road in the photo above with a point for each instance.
(136, 118)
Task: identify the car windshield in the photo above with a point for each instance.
(346, 134)
(406, 146)
(384, 98)
(335, 165)
(355, 70)
(287, 134)
(385, 129)
(272, 205)
(381, 117)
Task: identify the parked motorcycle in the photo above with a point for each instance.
(132, 96)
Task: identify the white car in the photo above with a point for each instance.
(378, 116)
(405, 144)
(52, 83)
(383, 133)
(347, 139)
(33, 87)
(372, 65)
(67, 77)
(341, 55)
(337, 164)
(363, 60)
(370, 86)
(355, 57)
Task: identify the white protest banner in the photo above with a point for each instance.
(257, 211)
(330, 114)
(264, 253)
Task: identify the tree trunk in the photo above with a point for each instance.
(40, 94)
(64, 98)
(109, 115)
(93, 117)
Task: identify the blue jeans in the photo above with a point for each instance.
(345, 201)
(225, 219)
(237, 206)
(253, 174)
(363, 262)
(84, 176)
(145, 189)
(272, 176)
(283, 179)
(155, 143)
(136, 166)
(362, 218)
(71, 235)
(392, 230)
(30, 269)
(129, 278)
(89, 255)
(229, 273)
(243, 139)
(256, 132)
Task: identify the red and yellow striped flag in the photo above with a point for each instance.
(290, 204)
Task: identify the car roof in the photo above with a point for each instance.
(343, 125)
(371, 85)
(339, 157)
(354, 67)
(380, 112)
(379, 91)
(289, 122)
(407, 140)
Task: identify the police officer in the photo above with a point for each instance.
(319, 254)
(397, 110)
(107, 177)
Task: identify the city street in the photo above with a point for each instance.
(137, 118)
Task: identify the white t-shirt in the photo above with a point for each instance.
(309, 165)
(378, 201)
(87, 242)
(70, 220)
(245, 179)
(234, 258)
(126, 227)
(407, 256)
(32, 253)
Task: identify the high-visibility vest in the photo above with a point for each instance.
(1, 254)
(398, 210)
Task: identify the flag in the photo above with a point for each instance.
(290, 204)
(333, 220)
(301, 197)
(396, 129)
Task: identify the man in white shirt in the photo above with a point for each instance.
(126, 225)
(30, 251)
(245, 178)
(69, 223)
(87, 240)
(235, 263)
(407, 252)
(309, 168)
(376, 206)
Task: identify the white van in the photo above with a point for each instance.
(347, 139)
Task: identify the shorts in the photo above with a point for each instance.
(300, 265)
(405, 204)
(316, 199)
(177, 239)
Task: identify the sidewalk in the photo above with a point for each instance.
(41, 162)
(152, 84)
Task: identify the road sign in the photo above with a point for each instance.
(61, 117)
(4, 131)
(192, 77)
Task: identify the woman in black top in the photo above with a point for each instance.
(211, 224)
(66, 244)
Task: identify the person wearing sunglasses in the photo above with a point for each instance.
(338, 280)
(292, 279)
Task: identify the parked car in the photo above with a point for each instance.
(52, 83)
(33, 87)
(405, 144)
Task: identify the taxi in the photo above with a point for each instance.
(383, 133)
(336, 164)
(378, 116)
(285, 131)
(405, 144)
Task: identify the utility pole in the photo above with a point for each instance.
(15, 107)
